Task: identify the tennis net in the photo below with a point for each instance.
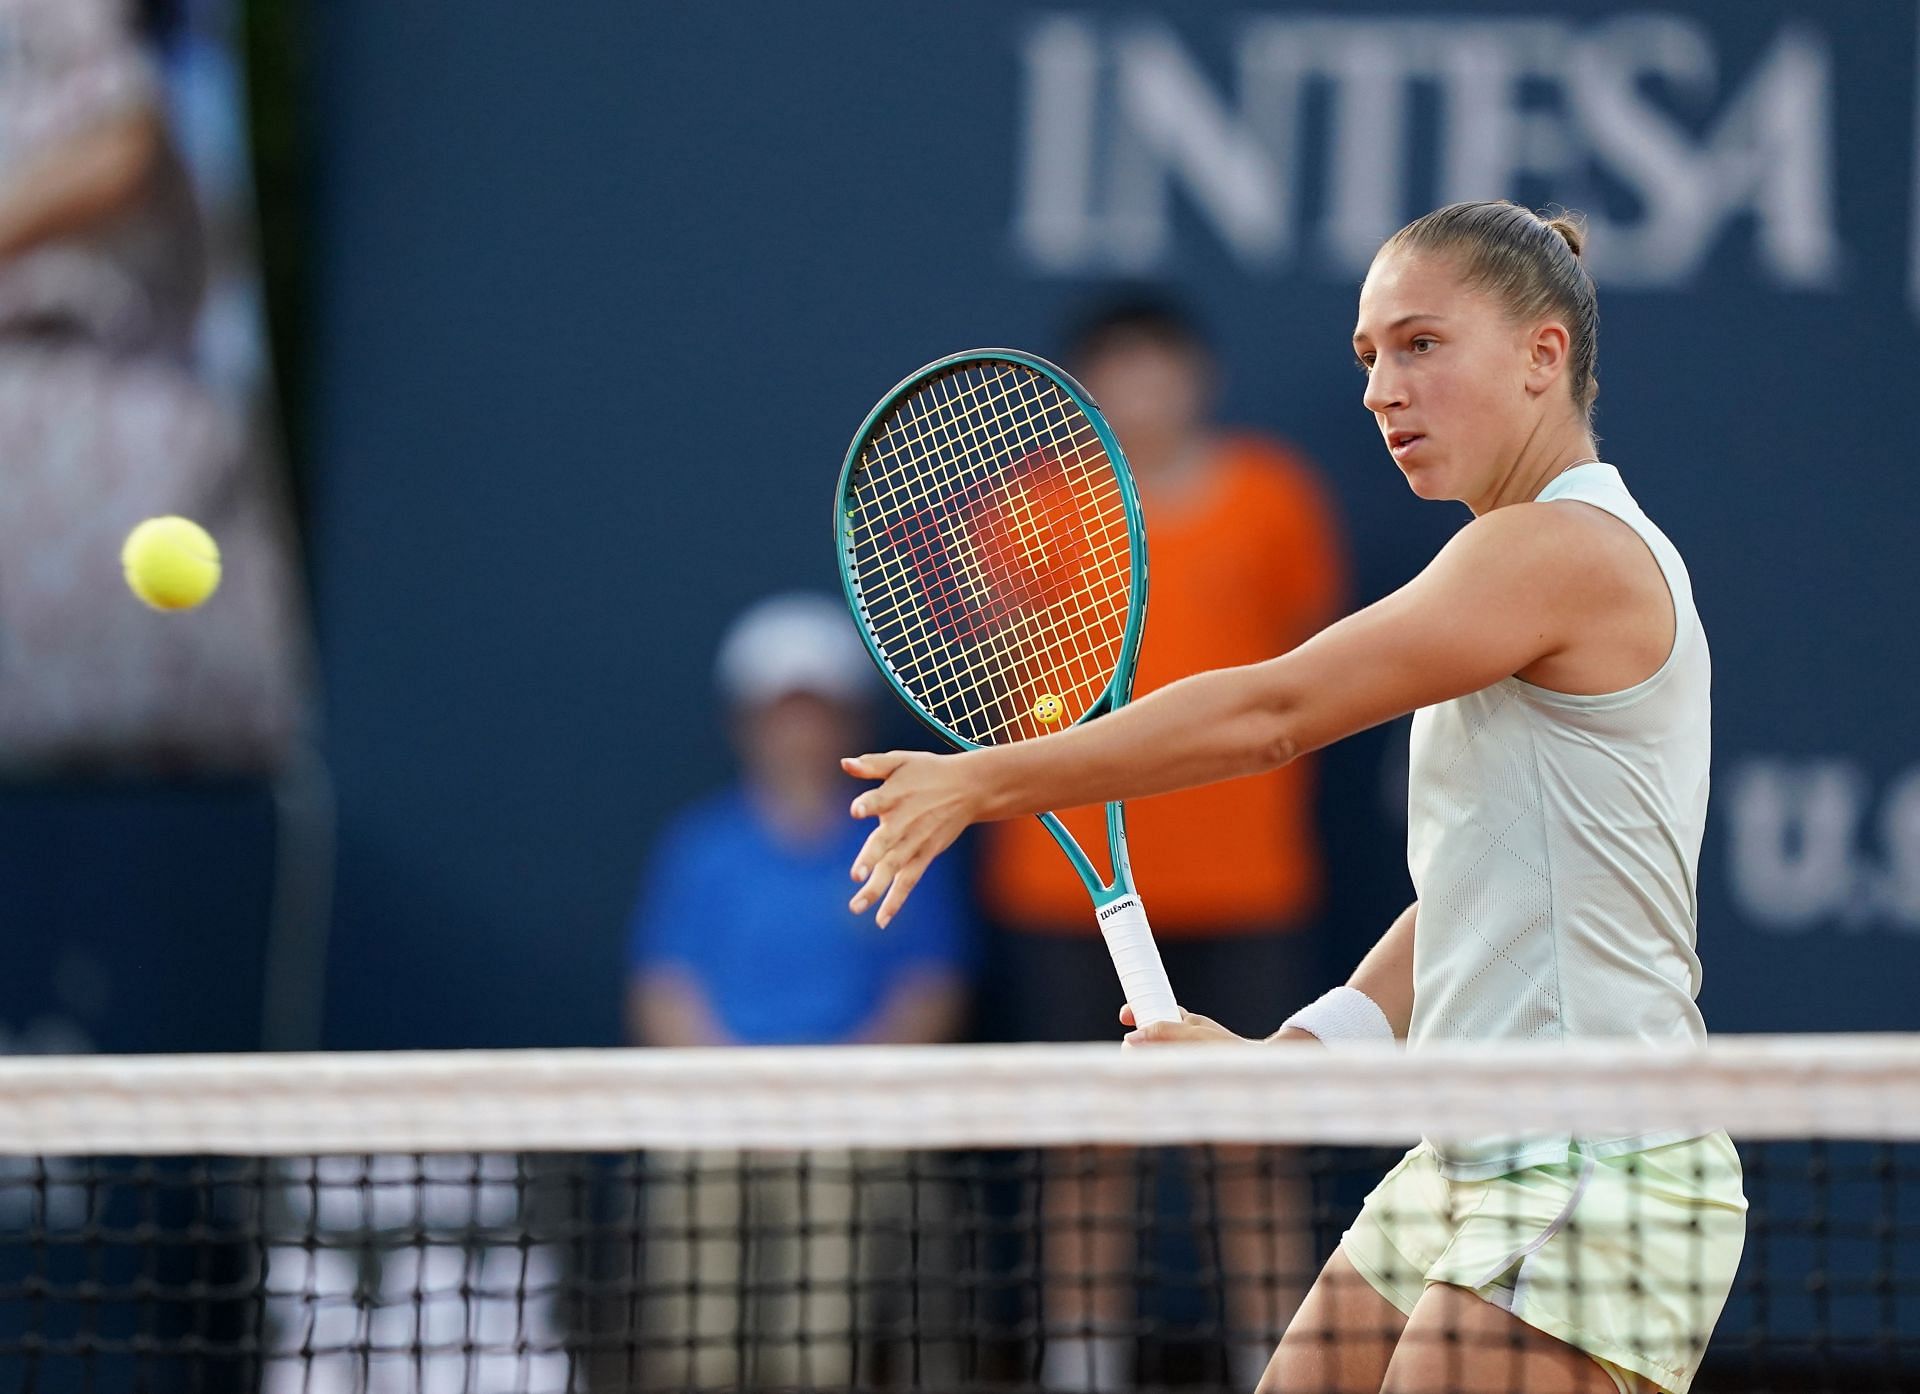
(951, 1219)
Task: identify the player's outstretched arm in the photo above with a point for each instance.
(1504, 593)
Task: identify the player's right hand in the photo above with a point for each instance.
(923, 803)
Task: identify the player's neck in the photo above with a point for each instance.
(1542, 459)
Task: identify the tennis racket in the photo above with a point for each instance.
(993, 554)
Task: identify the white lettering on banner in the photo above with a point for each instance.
(1120, 114)
(1063, 71)
(1798, 853)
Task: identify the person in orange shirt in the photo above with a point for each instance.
(1246, 561)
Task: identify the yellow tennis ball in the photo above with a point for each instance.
(171, 563)
(1047, 709)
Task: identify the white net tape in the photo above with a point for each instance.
(1863, 1086)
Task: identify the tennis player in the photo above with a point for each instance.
(1559, 678)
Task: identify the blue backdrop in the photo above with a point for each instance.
(607, 291)
(605, 288)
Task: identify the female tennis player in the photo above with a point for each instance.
(1559, 678)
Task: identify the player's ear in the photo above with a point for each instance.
(1547, 355)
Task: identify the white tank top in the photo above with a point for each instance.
(1554, 842)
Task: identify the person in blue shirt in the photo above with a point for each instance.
(742, 936)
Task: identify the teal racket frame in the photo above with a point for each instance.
(1119, 689)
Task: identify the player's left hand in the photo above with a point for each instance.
(1191, 1029)
(923, 803)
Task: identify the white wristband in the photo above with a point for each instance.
(1342, 1017)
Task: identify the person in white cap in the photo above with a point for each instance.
(742, 936)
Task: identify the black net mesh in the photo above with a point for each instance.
(1070, 1267)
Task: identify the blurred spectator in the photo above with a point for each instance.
(1246, 562)
(742, 937)
(103, 422)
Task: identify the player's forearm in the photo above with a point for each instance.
(1386, 973)
(1209, 727)
(1385, 976)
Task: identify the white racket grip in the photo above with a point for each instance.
(1123, 924)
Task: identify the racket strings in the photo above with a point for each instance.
(928, 431)
(1076, 616)
(991, 555)
(923, 426)
(1084, 440)
(1014, 648)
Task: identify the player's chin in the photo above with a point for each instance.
(1426, 477)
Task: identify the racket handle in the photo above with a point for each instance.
(1123, 924)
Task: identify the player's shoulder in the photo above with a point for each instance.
(1527, 530)
(1551, 544)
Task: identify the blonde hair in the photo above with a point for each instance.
(1527, 261)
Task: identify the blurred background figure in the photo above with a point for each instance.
(106, 418)
(1246, 561)
(742, 937)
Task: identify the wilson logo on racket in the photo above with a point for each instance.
(982, 559)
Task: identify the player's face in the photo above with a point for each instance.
(1446, 376)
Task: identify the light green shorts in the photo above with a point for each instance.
(1628, 1258)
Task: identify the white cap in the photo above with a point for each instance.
(796, 642)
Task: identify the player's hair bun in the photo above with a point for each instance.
(1515, 254)
(1572, 229)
